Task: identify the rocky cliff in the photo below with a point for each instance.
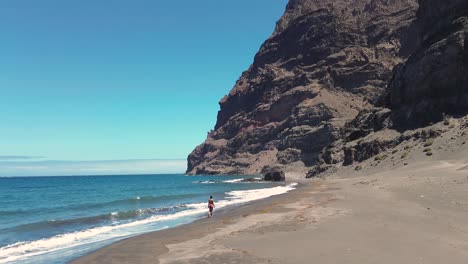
(434, 79)
(326, 61)
(424, 97)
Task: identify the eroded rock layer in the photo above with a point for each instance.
(434, 80)
(431, 86)
(325, 62)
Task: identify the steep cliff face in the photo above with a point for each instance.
(430, 86)
(326, 61)
(434, 80)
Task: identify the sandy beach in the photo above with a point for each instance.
(326, 131)
(410, 214)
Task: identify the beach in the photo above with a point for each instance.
(330, 131)
(72, 216)
(409, 214)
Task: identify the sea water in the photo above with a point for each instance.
(57, 219)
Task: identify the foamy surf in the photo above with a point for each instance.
(242, 180)
(21, 251)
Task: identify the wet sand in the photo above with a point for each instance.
(411, 214)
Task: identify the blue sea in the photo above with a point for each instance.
(57, 219)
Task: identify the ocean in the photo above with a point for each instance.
(57, 219)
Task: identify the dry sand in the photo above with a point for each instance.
(409, 214)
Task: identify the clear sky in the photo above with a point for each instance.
(120, 80)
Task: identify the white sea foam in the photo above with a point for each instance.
(227, 181)
(239, 180)
(24, 250)
(237, 197)
(233, 181)
(208, 182)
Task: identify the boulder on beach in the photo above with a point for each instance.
(273, 174)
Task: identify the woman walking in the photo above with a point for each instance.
(210, 206)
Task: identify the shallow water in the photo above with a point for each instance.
(56, 219)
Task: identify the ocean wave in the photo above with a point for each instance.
(233, 181)
(242, 180)
(23, 250)
(133, 200)
(87, 206)
(8, 213)
(256, 194)
(245, 196)
(208, 182)
(93, 220)
(33, 187)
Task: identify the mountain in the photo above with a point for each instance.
(331, 82)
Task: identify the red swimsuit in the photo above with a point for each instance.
(210, 204)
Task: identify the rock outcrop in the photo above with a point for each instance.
(326, 61)
(430, 86)
(434, 79)
(273, 174)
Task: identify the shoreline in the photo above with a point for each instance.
(413, 214)
(222, 213)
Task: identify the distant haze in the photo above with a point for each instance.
(109, 167)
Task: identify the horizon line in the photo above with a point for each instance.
(97, 160)
(97, 175)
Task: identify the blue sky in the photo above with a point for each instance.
(120, 80)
